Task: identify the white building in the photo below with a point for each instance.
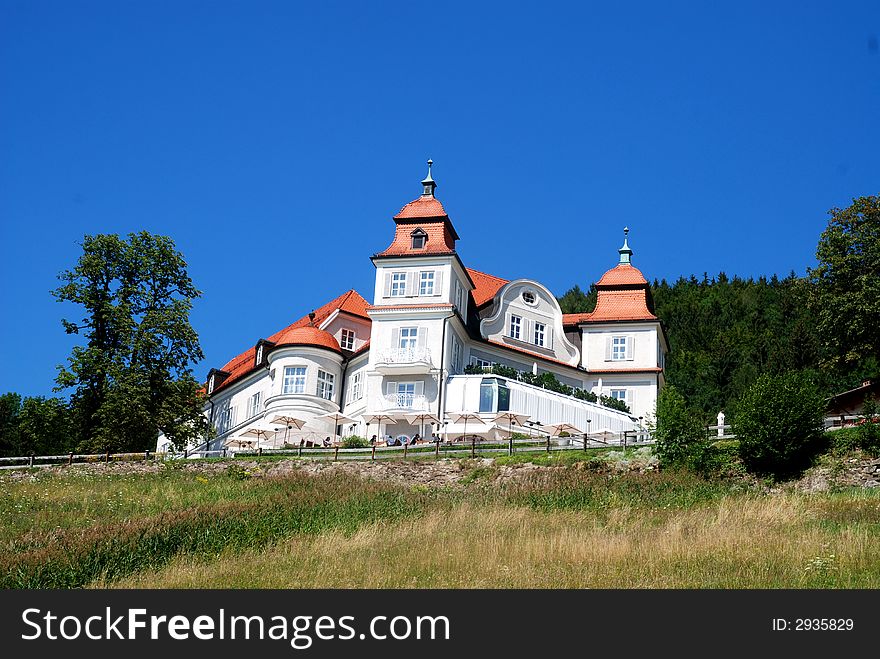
(430, 319)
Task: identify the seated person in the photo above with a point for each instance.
(326, 442)
(373, 440)
(416, 438)
(389, 440)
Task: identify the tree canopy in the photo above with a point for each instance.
(133, 375)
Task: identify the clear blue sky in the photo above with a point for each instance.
(273, 141)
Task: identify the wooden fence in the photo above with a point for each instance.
(473, 448)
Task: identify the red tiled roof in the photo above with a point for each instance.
(311, 336)
(613, 305)
(529, 353)
(424, 206)
(623, 274)
(486, 286)
(243, 364)
(440, 240)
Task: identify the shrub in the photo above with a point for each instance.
(678, 430)
(353, 441)
(779, 424)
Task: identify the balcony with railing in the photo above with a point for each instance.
(404, 360)
(413, 402)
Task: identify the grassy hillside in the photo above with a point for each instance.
(454, 524)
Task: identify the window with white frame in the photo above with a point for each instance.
(619, 394)
(540, 334)
(347, 342)
(294, 380)
(259, 354)
(409, 338)
(325, 384)
(356, 386)
(227, 418)
(211, 385)
(406, 392)
(398, 284)
(253, 407)
(459, 297)
(618, 348)
(456, 354)
(426, 282)
(515, 327)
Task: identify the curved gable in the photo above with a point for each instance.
(535, 306)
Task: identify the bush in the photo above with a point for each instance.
(353, 441)
(863, 436)
(779, 424)
(678, 431)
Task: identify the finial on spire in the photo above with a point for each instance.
(625, 252)
(428, 183)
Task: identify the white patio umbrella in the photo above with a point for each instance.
(237, 441)
(606, 434)
(512, 419)
(378, 418)
(464, 417)
(336, 417)
(289, 422)
(556, 428)
(419, 418)
(259, 431)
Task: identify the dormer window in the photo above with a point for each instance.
(210, 385)
(259, 359)
(419, 238)
(528, 297)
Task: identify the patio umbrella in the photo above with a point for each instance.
(512, 418)
(290, 422)
(556, 428)
(420, 418)
(337, 418)
(460, 417)
(241, 443)
(259, 432)
(378, 418)
(605, 433)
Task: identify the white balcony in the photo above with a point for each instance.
(404, 360)
(412, 402)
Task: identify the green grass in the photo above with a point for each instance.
(579, 525)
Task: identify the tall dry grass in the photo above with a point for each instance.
(791, 541)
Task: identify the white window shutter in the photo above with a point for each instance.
(390, 388)
(423, 337)
(411, 284)
(527, 331)
(507, 328)
(548, 337)
(608, 340)
(420, 388)
(438, 282)
(395, 337)
(387, 292)
(630, 340)
(629, 399)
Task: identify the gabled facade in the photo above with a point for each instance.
(405, 352)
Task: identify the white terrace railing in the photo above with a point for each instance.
(416, 402)
(405, 356)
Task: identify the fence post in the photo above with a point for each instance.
(107, 457)
(336, 455)
(404, 450)
(146, 456)
(548, 443)
(437, 449)
(31, 460)
(474, 446)
(70, 460)
(224, 451)
(373, 456)
(585, 443)
(624, 441)
(260, 452)
(299, 455)
(185, 453)
(510, 446)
